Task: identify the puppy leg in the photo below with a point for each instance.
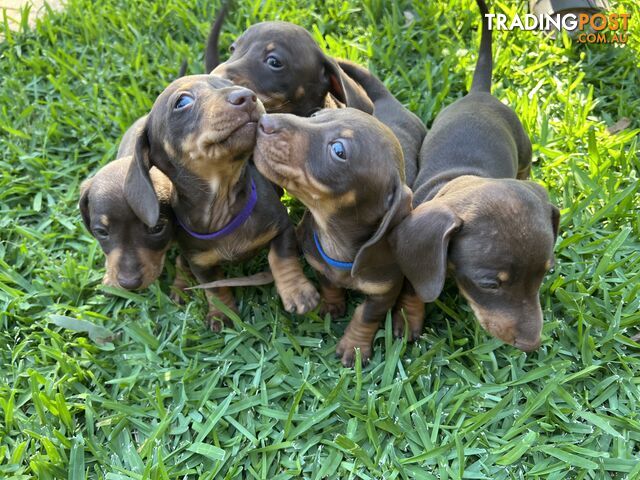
(363, 327)
(215, 318)
(408, 307)
(297, 293)
(333, 299)
(181, 282)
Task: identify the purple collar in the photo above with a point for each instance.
(233, 224)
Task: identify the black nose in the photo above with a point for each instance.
(268, 124)
(129, 281)
(242, 97)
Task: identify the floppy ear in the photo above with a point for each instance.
(420, 244)
(138, 188)
(376, 250)
(344, 88)
(84, 202)
(555, 220)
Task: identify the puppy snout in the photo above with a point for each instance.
(268, 125)
(242, 98)
(527, 346)
(129, 281)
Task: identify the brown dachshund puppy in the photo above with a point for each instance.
(285, 67)
(134, 251)
(495, 234)
(346, 168)
(405, 125)
(201, 133)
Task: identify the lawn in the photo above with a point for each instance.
(149, 392)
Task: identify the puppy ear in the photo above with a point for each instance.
(555, 220)
(84, 202)
(138, 187)
(376, 248)
(345, 89)
(420, 245)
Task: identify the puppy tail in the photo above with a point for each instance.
(262, 278)
(211, 57)
(183, 68)
(373, 87)
(484, 66)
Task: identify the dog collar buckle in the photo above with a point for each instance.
(235, 222)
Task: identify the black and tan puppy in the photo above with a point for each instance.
(406, 126)
(285, 67)
(494, 234)
(346, 168)
(201, 133)
(134, 251)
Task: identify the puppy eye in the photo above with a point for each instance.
(157, 228)
(232, 48)
(100, 232)
(338, 151)
(488, 284)
(274, 63)
(183, 101)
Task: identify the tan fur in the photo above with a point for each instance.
(333, 301)
(290, 281)
(104, 220)
(111, 268)
(152, 264)
(359, 334)
(233, 249)
(411, 308)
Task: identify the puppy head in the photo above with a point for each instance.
(200, 127)
(339, 163)
(134, 252)
(286, 68)
(496, 236)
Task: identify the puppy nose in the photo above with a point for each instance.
(527, 346)
(242, 97)
(129, 282)
(268, 124)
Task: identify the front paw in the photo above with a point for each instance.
(334, 309)
(346, 350)
(413, 324)
(300, 298)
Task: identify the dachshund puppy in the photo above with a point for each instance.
(134, 251)
(346, 167)
(494, 234)
(285, 67)
(405, 125)
(201, 133)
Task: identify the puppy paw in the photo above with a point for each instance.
(335, 309)
(346, 350)
(399, 326)
(300, 298)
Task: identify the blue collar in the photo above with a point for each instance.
(233, 224)
(334, 263)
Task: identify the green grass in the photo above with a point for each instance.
(153, 394)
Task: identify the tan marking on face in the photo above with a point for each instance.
(111, 268)
(347, 133)
(168, 148)
(152, 264)
(503, 276)
(299, 92)
(274, 102)
(104, 220)
(271, 46)
(327, 205)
